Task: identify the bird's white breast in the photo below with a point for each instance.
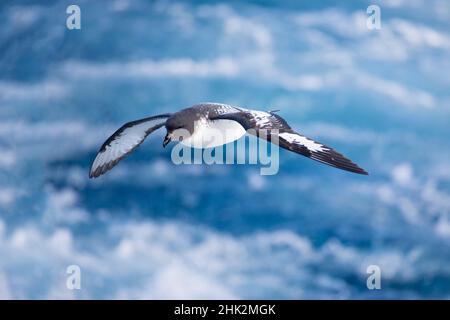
(210, 134)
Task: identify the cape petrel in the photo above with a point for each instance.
(199, 121)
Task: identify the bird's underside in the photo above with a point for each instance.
(218, 116)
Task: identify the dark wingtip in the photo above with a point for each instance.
(91, 172)
(92, 175)
(95, 173)
(363, 172)
(355, 169)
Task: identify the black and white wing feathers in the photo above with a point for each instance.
(124, 141)
(317, 151)
(263, 124)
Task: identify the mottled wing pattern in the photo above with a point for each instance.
(124, 141)
(317, 151)
(212, 110)
(263, 124)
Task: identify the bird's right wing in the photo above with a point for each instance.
(307, 147)
(264, 124)
(124, 141)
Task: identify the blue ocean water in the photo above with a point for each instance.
(150, 229)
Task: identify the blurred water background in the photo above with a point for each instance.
(150, 229)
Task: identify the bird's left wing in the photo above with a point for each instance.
(265, 124)
(124, 141)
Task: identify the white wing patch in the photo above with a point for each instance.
(262, 118)
(298, 139)
(210, 134)
(122, 142)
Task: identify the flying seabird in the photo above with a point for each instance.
(200, 120)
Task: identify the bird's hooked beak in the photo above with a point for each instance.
(167, 139)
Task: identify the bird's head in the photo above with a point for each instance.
(178, 128)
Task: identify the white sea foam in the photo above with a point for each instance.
(175, 260)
